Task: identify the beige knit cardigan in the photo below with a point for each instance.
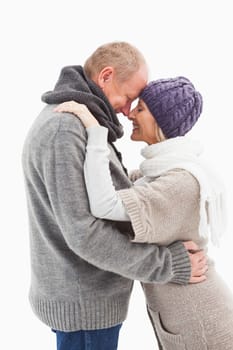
(192, 317)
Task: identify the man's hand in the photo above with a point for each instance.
(198, 262)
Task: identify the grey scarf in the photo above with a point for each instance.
(74, 85)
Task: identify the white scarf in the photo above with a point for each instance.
(184, 153)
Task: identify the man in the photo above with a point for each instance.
(82, 267)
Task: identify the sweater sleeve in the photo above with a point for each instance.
(104, 200)
(98, 241)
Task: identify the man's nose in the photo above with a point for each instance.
(126, 109)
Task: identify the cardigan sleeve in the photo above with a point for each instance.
(164, 210)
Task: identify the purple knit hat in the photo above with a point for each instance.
(174, 103)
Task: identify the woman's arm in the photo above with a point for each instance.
(105, 203)
(160, 211)
(164, 210)
(176, 258)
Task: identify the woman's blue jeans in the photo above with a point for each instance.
(100, 339)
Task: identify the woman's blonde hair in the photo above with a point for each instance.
(160, 135)
(122, 56)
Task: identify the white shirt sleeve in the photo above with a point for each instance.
(105, 203)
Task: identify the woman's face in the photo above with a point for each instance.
(144, 124)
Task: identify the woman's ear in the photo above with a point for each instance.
(105, 76)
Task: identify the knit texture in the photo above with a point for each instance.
(193, 317)
(153, 209)
(184, 317)
(174, 103)
(82, 268)
(185, 153)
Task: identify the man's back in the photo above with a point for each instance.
(68, 292)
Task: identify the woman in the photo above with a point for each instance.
(176, 198)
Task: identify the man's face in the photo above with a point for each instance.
(121, 95)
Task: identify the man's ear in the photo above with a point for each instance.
(105, 76)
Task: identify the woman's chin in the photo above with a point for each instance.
(134, 137)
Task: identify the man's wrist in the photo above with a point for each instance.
(181, 265)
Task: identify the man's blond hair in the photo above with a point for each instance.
(122, 56)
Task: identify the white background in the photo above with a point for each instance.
(38, 38)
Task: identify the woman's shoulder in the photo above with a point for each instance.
(176, 180)
(179, 174)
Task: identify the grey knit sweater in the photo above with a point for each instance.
(82, 268)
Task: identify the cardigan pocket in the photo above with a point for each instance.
(169, 341)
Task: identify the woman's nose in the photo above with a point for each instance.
(131, 115)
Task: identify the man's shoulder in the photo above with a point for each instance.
(56, 121)
(49, 123)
